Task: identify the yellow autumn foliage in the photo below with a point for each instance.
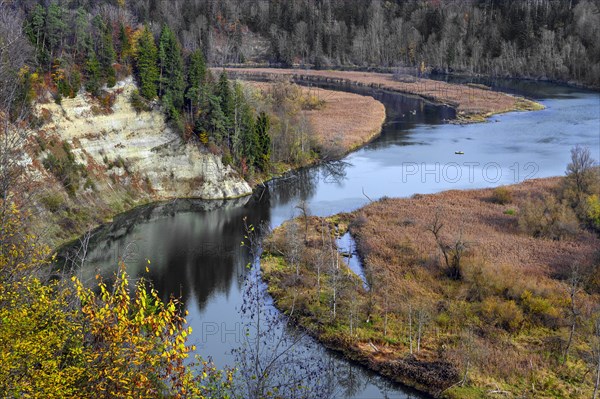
(61, 339)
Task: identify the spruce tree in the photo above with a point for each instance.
(225, 96)
(196, 80)
(263, 154)
(146, 65)
(172, 80)
(106, 55)
(212, 121)
(92, 74)
(244, 142)
(226, 102)
(82, 31)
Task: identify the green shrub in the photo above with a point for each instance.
(62, 164)
(53, 202)
(227, 159)
(139, 103)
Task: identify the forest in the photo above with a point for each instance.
(548, 39)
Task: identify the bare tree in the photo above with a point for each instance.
(573, 289)
(596, 353)
(422, 318)
(14, 52)
(410, 327)
(335, 274)
(293, 247)
(581, 179)
(304, 210)
(453, 253)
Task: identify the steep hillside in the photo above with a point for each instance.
(95, 160)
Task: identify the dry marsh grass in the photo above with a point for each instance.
(504, 323)
(341, 122)
(472, 103)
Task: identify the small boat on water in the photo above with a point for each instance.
(459, 152)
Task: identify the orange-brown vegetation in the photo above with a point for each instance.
(462, 302)
(339, 122)
(472, 103)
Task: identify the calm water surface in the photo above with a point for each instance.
(194, 246)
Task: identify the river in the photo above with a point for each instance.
(194, 246)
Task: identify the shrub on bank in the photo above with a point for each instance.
(502, 196)
(548, 218)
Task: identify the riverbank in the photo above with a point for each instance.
(473, 103)
(334, 122)
(501, 325)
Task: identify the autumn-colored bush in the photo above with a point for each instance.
(107, 100)
(548, 218)
(541, 310)
(501, 313)
(593, 211)
(502, 196)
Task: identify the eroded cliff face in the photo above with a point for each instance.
(147, 146)
(89, 162)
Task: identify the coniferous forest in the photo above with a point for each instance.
(551, 39)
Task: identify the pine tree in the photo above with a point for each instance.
(146, 65)
(172, 81)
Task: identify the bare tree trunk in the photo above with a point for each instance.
(574, 287)
(410, 328)
(597, 347)
(419, 328)
(597, 385)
